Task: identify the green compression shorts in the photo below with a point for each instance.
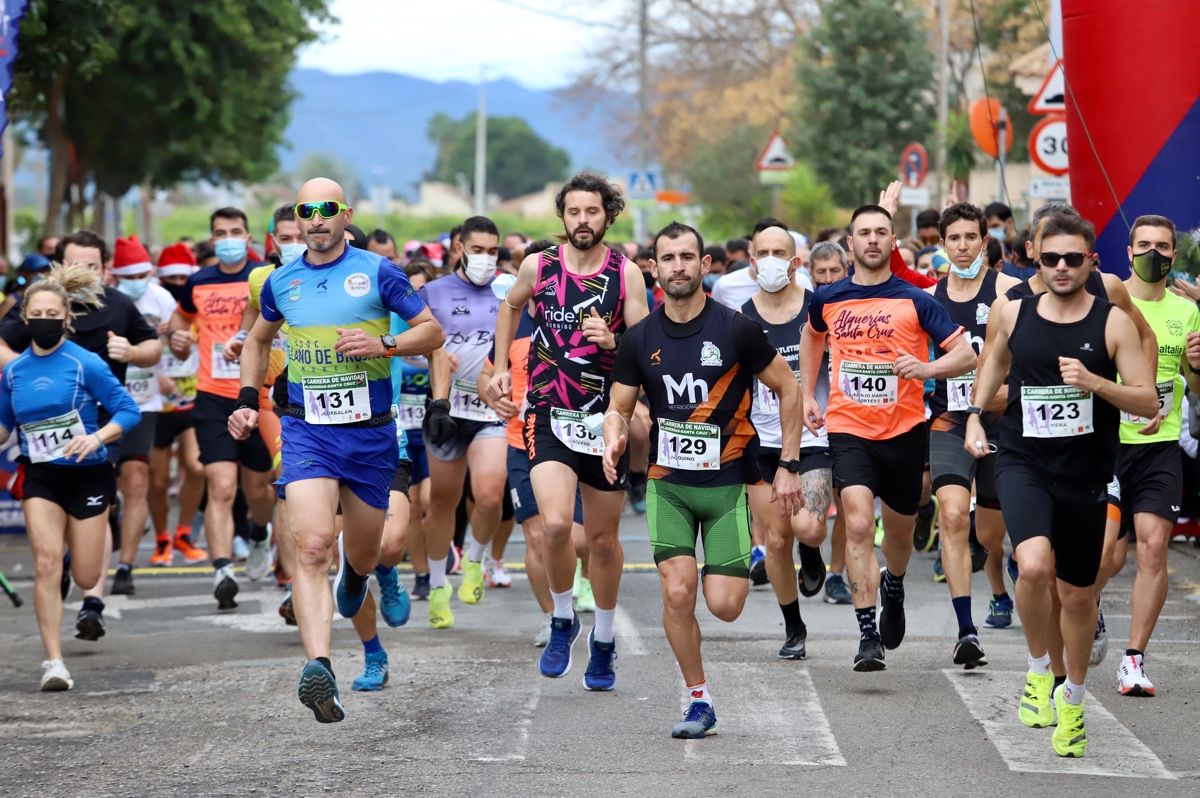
(722, 515)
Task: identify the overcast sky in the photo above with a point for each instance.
(449, 39)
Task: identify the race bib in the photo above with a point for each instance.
(337, 399)
(47, 439)
(569, 427)
(175, 368)
(410, 412)
(223, 369)
(689, 446)
(140, 384)
(958, 392)
(1055, 411)
(1166, 403)
(766, 400)
(870, 384)
(465, 403)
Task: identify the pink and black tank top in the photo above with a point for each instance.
(565, 369)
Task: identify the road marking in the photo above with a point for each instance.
(627, 634)
(779, 719)
(1113, 750)
(114, 606)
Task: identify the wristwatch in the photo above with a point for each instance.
(790, 465)
(389, 345)
(974, 410)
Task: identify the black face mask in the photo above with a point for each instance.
(1151, 265)
(176, 291)
(46, 333)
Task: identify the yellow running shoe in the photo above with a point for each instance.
(440, 616)
(1035, 710)
(471, 589)
(1070, 738)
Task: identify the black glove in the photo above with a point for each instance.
(439, 427)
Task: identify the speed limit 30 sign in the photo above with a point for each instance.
(1048, 145)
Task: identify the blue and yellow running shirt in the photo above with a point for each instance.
(52, 399)
(359, 289)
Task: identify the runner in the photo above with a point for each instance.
(1149, 465)
(339, 434)
(781, 309)
(967, 293)
(50, 393)
(461, 432)
(585, 295)
(1061, 352)
(214, 299)
(878, 329)
(697, 361)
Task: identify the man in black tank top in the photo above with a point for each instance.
(967, 293)
(1062, 353)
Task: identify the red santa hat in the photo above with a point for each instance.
(176, 259)
(130, 258)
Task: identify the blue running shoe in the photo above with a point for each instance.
(394, 604)
(758, 565)
(349, 591)
(1012, 568)
(1000, 615)
(420, 591)
(318, 691)
(556, 657)
(698, 722)
(600, 675)
(374, 675)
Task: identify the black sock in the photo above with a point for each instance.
(124, 566)
(1000, 596)
(925, 510)
(220, 562)
(93, 603)
(892, 585)
(352, 577)
(866, 623)
(1133, 652)
(326, 664)
(637, 478)
(1058, 680)
(258, 534)
(791, 616)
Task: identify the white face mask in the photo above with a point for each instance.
(289, 252)
(772, 273)
(479, 268)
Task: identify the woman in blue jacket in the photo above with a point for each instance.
(50, 394)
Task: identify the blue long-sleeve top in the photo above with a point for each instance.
(39, 387)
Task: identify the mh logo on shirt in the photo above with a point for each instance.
(695, 390)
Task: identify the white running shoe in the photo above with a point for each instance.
(1099, 640)
(240, 550)
(1131, 677)
(543, 634)
(258, 560)
(496, 575)
(55, 676)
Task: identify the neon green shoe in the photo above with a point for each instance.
(440, 616)
(471, 589)
(878, 531)
(1070, 738)
(1035, 710)
(584, 600)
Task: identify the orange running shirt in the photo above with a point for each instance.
(214, 302)
(518, 369)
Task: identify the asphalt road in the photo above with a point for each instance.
(179, 699)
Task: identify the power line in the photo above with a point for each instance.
(545, 12)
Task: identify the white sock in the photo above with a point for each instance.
(564, 604)
(699, 692)
(437, 572)
(1073, 693)
(1039, 665)
(475, 550)
(603, 631)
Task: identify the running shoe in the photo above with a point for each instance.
(637, 497)
(600, 675)
(878, 531)
(440, 615)
(470, 590)
(870, 656)
(318, 691)
(584, 600)
(758, 566)
(420, 591)
(999, 613)
(225, 587)
(89, 624)
(543, 634)
(241, 550)
(925, 533)
(164, 553)
(968, 653)
(939, 573)
(191, 554)
(394, 604)
(1132, 679)
(1035, 710)
(65, 584)
(1099, 640)
(811, 577)
(1012, 568)
(258, 561)
(836, 590)
(556, 657)
(349, 588)
(1070, 736)
(698, 722)
(891, 613)
(794, 644)
(123, 582)
(55, 676)
(287, 611)
(374, 675)
(495, 573)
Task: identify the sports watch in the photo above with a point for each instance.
(389, 345)
(790, 465)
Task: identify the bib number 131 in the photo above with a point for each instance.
(337, 399)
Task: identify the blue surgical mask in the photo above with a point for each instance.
(972, 271)
(230, 250)
(997, 233)
(134, 289)
(289, 252)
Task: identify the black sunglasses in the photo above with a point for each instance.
(1074, 259)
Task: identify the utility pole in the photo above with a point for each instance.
(639, 215)
(943, 107)
(481, 145)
